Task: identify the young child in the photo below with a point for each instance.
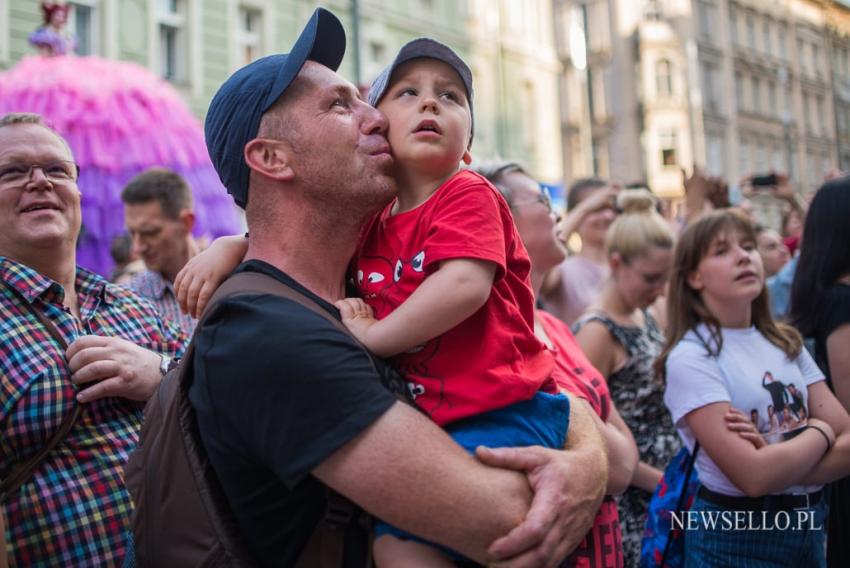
(722, 343)
(445, 283)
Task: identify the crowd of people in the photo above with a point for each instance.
(485, 394)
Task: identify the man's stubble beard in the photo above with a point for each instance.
(338, 196)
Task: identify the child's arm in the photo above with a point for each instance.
(196, 282)
(836, 463)
(444, 299)
(762, 471)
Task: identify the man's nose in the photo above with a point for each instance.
(37, 178)
(138, 244)
(374, 122)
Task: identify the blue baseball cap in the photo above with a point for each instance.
(238, 106)
(427, 48)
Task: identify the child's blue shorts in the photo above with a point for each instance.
(542, 420)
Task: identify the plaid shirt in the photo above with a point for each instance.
(160, 292)
(74, 510)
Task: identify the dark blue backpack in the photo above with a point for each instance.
(663, 546)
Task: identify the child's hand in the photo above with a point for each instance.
(197, 281)
(737, 421)
(357, 316)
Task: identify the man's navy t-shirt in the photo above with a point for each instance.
(277, 389)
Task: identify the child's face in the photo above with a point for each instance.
(730, 270)
(429, 117)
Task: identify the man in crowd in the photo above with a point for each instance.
(72, 509)
(287, 411)
(159, 218)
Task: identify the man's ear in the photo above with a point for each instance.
(269, 158)
(187, 219)
(467, 157)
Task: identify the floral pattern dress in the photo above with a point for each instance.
(639, 397)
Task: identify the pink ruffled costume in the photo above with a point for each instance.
(119, 119)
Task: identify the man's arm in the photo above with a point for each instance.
(407, 471)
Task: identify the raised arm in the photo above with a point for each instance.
(444, 299)
(198, 279)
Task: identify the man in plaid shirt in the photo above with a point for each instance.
(74, 509)
(159, 218)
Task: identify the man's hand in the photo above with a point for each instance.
(568, 488)
(113, 367)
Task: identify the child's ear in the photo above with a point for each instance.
(467, 157)
(269, 158)
(695, 281)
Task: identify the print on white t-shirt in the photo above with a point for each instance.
(750, 373)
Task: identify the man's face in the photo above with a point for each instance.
(429, 117)
(39, 206)
(338, 144)
(161, 242)
(774, 253)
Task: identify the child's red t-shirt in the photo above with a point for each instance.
(490, 360)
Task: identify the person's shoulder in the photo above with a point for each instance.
(692, 345)
(551, 320)
(467, 181)
(258, 322)
(122, 297)
(141, 283)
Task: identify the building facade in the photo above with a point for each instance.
(739, 87)
(196, 44)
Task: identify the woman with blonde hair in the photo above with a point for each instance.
(622, 339)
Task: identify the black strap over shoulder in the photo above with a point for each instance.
(258, 282)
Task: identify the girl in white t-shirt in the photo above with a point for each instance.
(761, 498)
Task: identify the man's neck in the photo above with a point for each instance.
(317, 260)
(59, 265)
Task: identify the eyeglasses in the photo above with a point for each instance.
(58, 171)
(543, 197)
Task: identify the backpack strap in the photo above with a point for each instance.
(326, 545)
(25, 470)
(680, 502)
(258, 282)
